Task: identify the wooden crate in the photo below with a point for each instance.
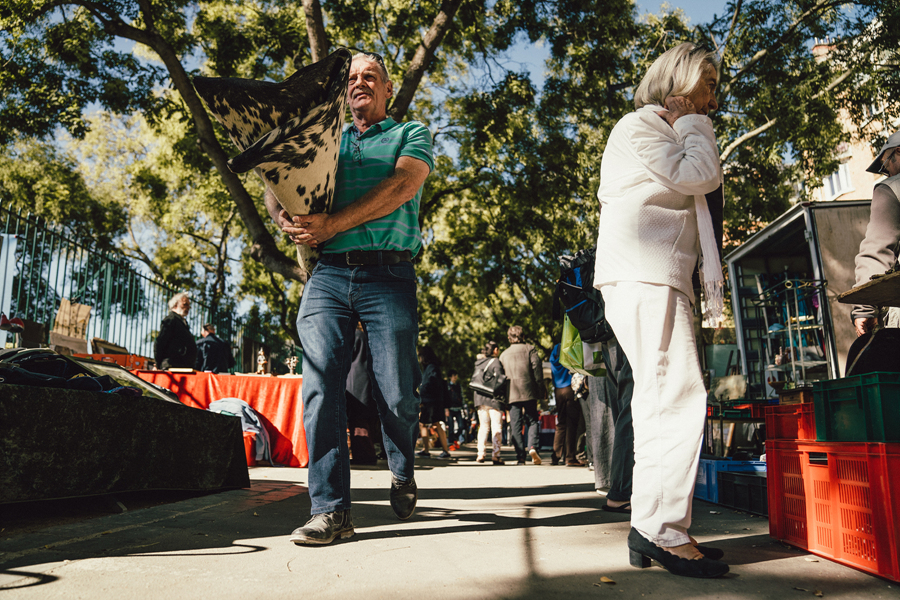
(795, 396)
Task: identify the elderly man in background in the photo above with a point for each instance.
(526, 387)
(878, 250)
(175, 345)
(365, 274)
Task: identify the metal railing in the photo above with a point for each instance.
(40, 266)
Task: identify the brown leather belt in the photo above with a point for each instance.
(356, 258)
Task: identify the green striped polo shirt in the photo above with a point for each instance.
(364, 161)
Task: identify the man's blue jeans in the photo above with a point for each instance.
(525, 415)
(383, 298)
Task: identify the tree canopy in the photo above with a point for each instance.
(517, 160)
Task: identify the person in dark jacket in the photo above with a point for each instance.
(175, 345)
(453, 412)
(213, 353)
(431, 395)
(490, 410)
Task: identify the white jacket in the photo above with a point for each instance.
(649, 175)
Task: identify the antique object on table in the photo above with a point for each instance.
(261, 362)
(291, 364)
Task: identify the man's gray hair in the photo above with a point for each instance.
(373, 57)
(677, 72)
(515, 334)
(177, 298)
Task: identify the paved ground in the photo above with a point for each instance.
(480, 532)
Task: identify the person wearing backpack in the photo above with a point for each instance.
(490, 409)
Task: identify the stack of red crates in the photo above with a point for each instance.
(832, 498)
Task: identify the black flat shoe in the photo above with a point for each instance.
(625, 508)
(641, 550)
(711, 553)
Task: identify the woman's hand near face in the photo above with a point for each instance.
(678, 107)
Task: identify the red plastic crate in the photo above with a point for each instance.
(758, 410)
(835, 500)
(791, 422)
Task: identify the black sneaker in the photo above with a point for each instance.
(403, 498)
(321, 529)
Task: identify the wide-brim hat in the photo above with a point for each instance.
(892, 142)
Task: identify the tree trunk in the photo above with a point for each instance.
(422, 58)
(315, 29)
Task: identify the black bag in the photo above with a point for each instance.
(874, 352)
(489, 383)
(583, 303)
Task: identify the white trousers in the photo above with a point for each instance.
(489, 418)
(654, 326)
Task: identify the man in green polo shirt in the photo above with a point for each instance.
(365, 274)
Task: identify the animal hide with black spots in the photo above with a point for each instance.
(289, 132)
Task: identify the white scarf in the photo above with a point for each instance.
(711, 279)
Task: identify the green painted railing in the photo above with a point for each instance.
(39, 266)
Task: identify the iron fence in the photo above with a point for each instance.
(39, 267)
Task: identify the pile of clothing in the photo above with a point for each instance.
(41, 367)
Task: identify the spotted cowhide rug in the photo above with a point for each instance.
(289, 132)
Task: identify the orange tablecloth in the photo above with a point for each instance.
(276, 400)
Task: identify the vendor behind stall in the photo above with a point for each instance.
(878, 251)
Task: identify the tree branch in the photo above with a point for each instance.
(423, 58)
(819, 6)
(741, 139)
(198, 237)
(752, 134)
(734, 18)
(221, 262)
(141, 255)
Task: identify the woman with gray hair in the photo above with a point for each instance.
(655, 226)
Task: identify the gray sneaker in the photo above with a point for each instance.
(321, 529)
(403, 498)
